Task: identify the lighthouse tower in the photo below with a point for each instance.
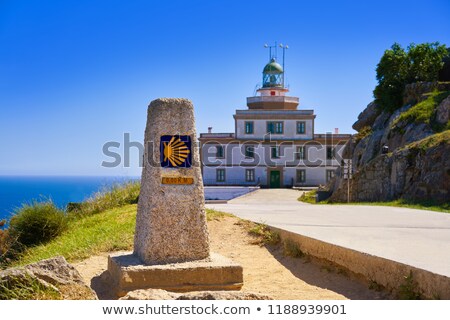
(272, 94)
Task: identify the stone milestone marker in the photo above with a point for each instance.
(171, 221)
(171, 245)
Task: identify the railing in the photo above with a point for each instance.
(216, 135)
(272, 99)
(331, 135)
(276, 112)
(231, 182)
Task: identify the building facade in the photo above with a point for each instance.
(274, 143)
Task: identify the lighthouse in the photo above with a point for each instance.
(274, 144)
(272, 94)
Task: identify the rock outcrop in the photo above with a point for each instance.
(55, 274)
(158, 294)
(417, 166)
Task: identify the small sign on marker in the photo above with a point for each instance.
(177, 180)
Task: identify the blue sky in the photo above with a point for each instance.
(77, 74)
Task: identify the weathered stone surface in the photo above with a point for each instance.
(55, 273)
(442, 112)
(158, 294)
(367, 117)
(409, 173)
(171, 220)
(405, 172)
(414, 92)
(213, 273)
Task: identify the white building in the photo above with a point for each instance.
(273, 145)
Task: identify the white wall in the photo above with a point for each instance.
(260, 129)
(235, 154)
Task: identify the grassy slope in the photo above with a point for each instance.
(103, 232)
(423, 111)
(110, 230)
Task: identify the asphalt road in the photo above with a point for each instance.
(418, 238)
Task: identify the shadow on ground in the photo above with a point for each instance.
(326, 276)
(101, 285)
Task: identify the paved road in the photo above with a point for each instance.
(415, 237)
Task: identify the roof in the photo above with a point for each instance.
(273, 67)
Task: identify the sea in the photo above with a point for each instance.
(17, 190)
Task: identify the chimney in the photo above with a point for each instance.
(336, 130)
(209, 129)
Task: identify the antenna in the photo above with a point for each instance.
(270, 50)
(284, 49)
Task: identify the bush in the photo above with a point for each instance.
(37, 223)
(115, 196)
(398, 67)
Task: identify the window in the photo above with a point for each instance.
(330, 153)
(275, 152)
(249, 151)
(275, 127)
(220, 175)
(330, 175)
(250, 175)
(248, 127)
(301, 127)
(301, 176)
(300, 154)
(219, 151)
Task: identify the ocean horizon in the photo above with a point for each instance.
(17, 190)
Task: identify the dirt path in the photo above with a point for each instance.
(266, 271)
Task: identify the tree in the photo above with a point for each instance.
(392, 71)
(425, 60)
(398, 67)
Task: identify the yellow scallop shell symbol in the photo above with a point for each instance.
(176, 151)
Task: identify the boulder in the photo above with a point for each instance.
(442, 112)
(367, 117)
(55, 273)
(158, 294)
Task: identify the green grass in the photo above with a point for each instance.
(291, 249)
(216, 215)
(308, 197)
(263, 234)
(111, 230)
(27, 288)
(108, 231)
(445, 207)
(112, 197)
(423, 112)
(430, 141)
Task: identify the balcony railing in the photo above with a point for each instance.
(272, 99)
(216, 135)
(331, 135)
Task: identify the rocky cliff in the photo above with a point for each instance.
(417, 164)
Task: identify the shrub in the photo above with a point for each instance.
(308, 197)
(398, 67)
(115, 196)
(36, 223)
(291, 249)
(263, 234)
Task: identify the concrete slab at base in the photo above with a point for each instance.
(129, 273)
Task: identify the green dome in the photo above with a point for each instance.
(273, 67)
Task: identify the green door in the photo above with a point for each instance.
(275, 179)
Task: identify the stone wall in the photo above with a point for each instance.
(410, 173)
(407, 171)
